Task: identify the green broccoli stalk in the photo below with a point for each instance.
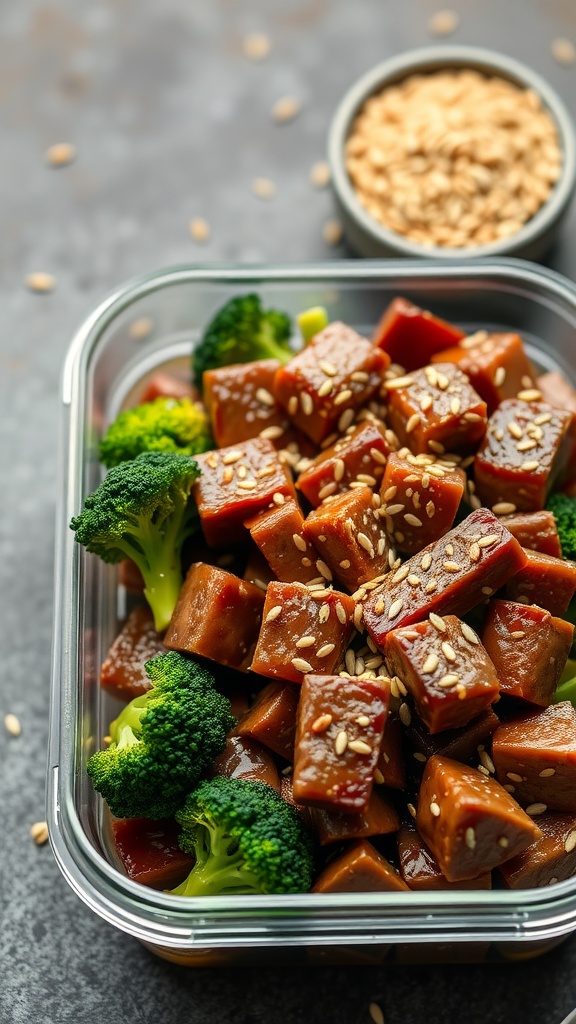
(162, 742)
(241, 332)
(563, 508)
(566, 689)
(245, 838)
(163, 425)
(143, 510)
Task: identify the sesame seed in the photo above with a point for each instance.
(412, 520)
(247, 485)
(503, 508)
(340, 612)
(325, 650)
(378, 456)
(378, 777)
(434, 809)
(366, 478)
(327, 490)
(470, 838)
(376, 1014)
(530, 395)
(487, 762)
(514, 777)
(448, 680)
(271, 433)
(431, 664)
(321, 723)
(343, 396)
(325, 388)
(455, 406)
(39, 832)
(233, 456)
(468, 633)
(472, 417)
(323, 569)
(339, 469)
(487, 542)
(438, 622)
(414, 581)
(264, 396)
(529, 467)
(452, 566)
(365, 543)
(306, 641)
(40, 282)
(525, 446)
(306, 562)
(256, 46)
(404, 713)
(300, 665)
(435, 446)
(60, 154)
(570, 841)
(299, 542)
(345, 420)
(395, 608)
(487, 591)
(273, 613)
(12, 724)
(390, 493)
(499, 376)
(263, 188)
(411, 810)
(515, 429)
(285, 109)
(547, 772)
(359, 747)
(474, 551)
(362, 720)
(341, 742)
(543, 417)
(398, 382)
(448, 651)
(449, 549)
(503, 842)
(425, 402)
(418, 756)
(260, 584)
(199, 229)
(412, 423)
(228, 475)
(517, 634)
(307, 403)
(278, 498)
(324, 613)
(332, 232)
(537, 808)
(293, 405)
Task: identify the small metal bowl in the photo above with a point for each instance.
(370, 238)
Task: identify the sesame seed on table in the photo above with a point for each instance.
(137, 135)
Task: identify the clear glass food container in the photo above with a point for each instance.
(153, 323)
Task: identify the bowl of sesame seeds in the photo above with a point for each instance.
(452, 151)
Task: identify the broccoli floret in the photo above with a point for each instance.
(143, 510)
(245, 838)
(240, 333)
(563, 507)
(164, 425)
(162, 742)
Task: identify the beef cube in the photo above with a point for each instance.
(550, 859)
(302, 631)
(556, 390)
(535, 531)
(529, 648)
(535, 757)
(447, 672)
(149, 852)
(217, 616)
(340, 723)
(546, 581)
(168, 385)
(459, 744)
(390, 769)
(241, 405)
(123, 673)
(244, 758)
(359, 868)
(496, 365)
(350, 536)
(451, 576)
(421, 871)
(236, 483)
(419, 499)
(278, 533)
(272, 719)
(324, 386)
(379, 818)
(436, 410)
(525, 453)
(257, 570)
(468, 820)
(356, 459)
(411, 335)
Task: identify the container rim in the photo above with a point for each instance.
(432, 58)
(176, 922)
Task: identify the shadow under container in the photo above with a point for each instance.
(153, 323)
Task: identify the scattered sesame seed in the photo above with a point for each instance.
(293, 405)
(12, 724)
(450, 679)
(395, 608)
(327, 490)
(455, 406)
(487, 762)
(526, 446)
(398, 382)
(570, 841)
(434, 809)
(515, 430)
(530, 466)
(340, 612)
(487, 591)
(325, 388)
(39, 832)
(306, 641)
(503, 842)
(366, 478)
(359, 747)
(414, 581)
(431, 664)
(452, 566)
(199, 229)
(488, 541)
(321, 723)
(278, 498)
(300, 665)
(435, 446)
(264, 396)
(40, 282)
(468, 633)
(345, 420)
(514, 777)
(499, 376)
(412, 422)
(271, 433)
(530, 395)
(404, 713)
(537, 808)
(256, 46)
(341, 742)
(285, 109)
(273, 613)
(323, 569)
(299, 542)
(332, 232)
(474, 551)
(448, 651)
(411, 810)
(547, 772)
(320, 174)
(378, 777)
(325, 650)
(376, 1014)
(365, 543)
(263, 188)
(438, 622)
(470, 838)
(503, 508)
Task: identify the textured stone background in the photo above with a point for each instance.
(171, 121)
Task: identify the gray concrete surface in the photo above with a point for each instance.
(171, 121)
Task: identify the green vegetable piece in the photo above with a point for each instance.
(241, 332)
(162, 742)
(563, 508)
(245, 838)
(163, 425)
(312, 321)
(143, 510)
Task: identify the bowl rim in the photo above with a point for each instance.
(427, 59)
